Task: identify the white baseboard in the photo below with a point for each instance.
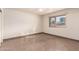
(17, 35)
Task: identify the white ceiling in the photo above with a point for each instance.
(43, 11)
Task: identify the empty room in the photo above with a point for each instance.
(39, 29)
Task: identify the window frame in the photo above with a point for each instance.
(55, 21)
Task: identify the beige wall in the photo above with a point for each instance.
(18, 23)
(0, 26)
(71, 29)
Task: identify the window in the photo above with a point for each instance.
(57, 21)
